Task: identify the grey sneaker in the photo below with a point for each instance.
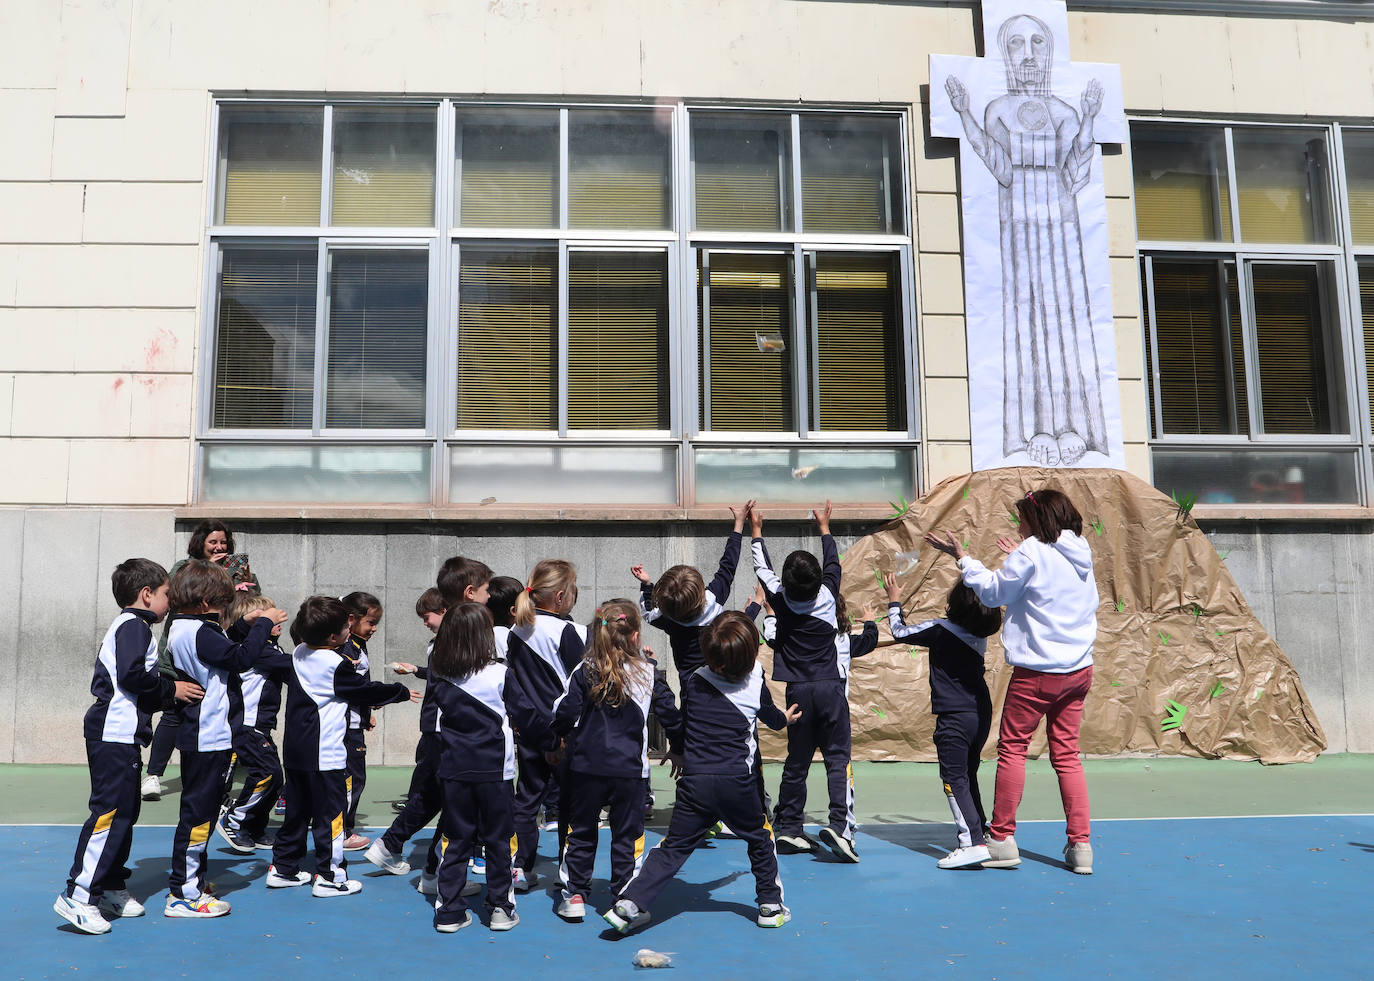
(454, 927)
(1078, 856)
(1005, 854)
(501, 920)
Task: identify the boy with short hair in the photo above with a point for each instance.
(463, 580)
(201, 652)
(128, 688)
(807, 660)
(320, 688)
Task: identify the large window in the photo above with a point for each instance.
(465, 303)
(1248, 349)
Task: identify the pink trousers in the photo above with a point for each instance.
(1058, 699)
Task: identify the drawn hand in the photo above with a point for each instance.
(1092, 98)
(958, 95)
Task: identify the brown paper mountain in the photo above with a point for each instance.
(1177, 643)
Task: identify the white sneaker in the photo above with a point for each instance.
(380, 856)
(204, 908)
(773, 915)
(842, 847)
(151, 788)
(1005, 854)
(572, 907)
(1078, 856)
(276, 880)
(454, 927)
(963, 857)
(625, 916)
(428, 885)
(524, 881)
(328, 889)
(795, 845)
(502, 921)
(118, 903)
(83, 916)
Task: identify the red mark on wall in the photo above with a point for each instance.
(118, 382)
(160, 344)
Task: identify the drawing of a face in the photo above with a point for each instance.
(1028, 51)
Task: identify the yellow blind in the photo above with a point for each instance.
(1195, 331)
(265, 339)
(1359, 182)
(384, 168)
(859, 374)
(1290, 337)
(1280, 186)
(1181, 190)
(1367, 317)
(848, 176)
(739, 183)
(507, 332)
(272, 168)
(618, 175)
(750, 301)
(618, 340)
(378, 312)
(509, 175)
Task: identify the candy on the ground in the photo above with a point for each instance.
(644, 957)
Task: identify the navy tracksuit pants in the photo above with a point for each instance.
(586, 793)
(204, 776)
(475, 811)
(164, 741)
(702, 800)
(102, 850)
(424, 802)
(355, 750)
(263, 778)
(959, 740)
(315, 802)
(531, 791)
(824, 725)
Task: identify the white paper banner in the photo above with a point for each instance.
(1037, 283)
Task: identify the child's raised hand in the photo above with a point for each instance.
(894, 588)
(793, 713)
(648, 652)
(869, 612)
(415, 696)
(674, 760)
(1007, 545)
(759, 597)
(740, 513)
(638, 572)
(188, 691)
(823, 517)
(755, 522)
(402, 667)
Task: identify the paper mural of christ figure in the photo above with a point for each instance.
(1037, 281)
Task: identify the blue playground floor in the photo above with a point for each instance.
(1251, 898)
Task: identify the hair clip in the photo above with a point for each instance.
(1030, 495)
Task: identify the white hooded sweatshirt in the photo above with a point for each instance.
(1051, 602)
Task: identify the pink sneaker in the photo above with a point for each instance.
(356, 842)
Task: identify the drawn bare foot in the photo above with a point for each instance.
(1071, 448)
(1043, 450)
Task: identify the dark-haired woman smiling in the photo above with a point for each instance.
(1050, 595)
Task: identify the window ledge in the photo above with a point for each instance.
(1282, 512)
(510, 512)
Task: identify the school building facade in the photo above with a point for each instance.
(381, 282)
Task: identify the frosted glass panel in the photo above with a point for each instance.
(557, 475)
(316, 474)
(849, 476)
(1221, 476)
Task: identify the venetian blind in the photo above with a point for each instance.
(272, 168)
(507, 334)
(378, 311)
(1281, 188)
(265, 339)
(859, 373)
(509, 173)
(1359, 182)
(1367, 316)
(618, 340)
(1290, 337)
(739, 179)
(848, 174)
(384, 168)
(618, 175)
(1181, 191)
(749, 383)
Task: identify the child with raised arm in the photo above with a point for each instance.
(807, 659)
(364, 617)
(127, 688)
(608, 701)
(728, 697)
(962, 705)
(321, 688)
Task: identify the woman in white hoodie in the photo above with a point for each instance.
(1047, 587)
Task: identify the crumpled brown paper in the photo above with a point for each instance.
(1172, 626)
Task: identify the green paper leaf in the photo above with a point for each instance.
(1164, 638)
(879, 576)
(1098, 527)
(1120, 606)
(880, 713)
(1258, 692)
(1217, 690)
(1222, 555)
(966, 492)
(1015, 518)
(1118, 684)
(1173, 716)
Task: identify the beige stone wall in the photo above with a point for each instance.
(106, 107)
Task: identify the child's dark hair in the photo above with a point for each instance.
(502, 592)
(195, 548)
(1045, 514)
(464, 643)
(430, 601)
(457, 574)
(965, 610)
(680, 593)
(131, 575)
(841, 613)
(360, 604)
(199, 582)
(318, 619)
(731, 645)
(801, 576)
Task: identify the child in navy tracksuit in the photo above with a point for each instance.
(807, 659)
(321, 688)
(607, 704)
(476, 703)
(727, 697)
(543, 648)
(128, 688)
(244, 823)
(962, 705)
(201, 652)
(364, 616)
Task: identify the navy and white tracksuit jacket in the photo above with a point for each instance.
(684, 639)
(126, 684)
